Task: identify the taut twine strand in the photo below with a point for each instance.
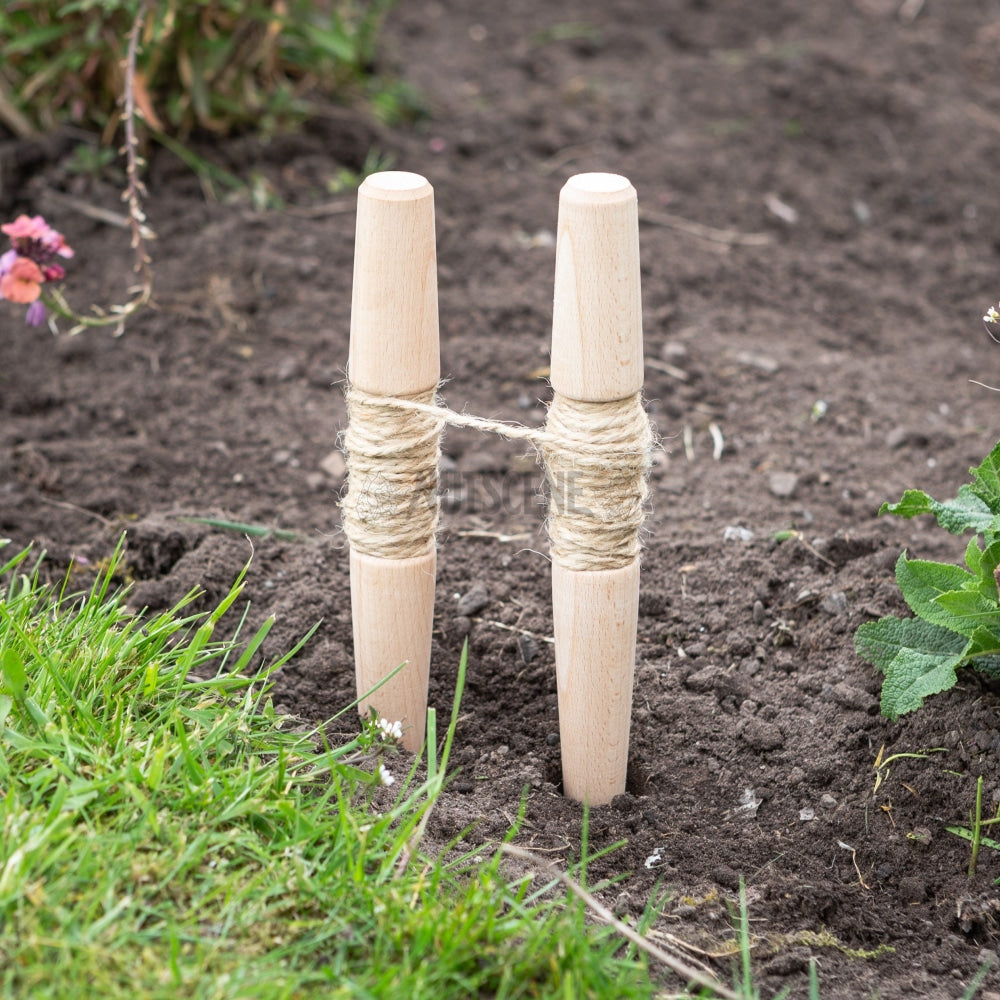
(596, 458)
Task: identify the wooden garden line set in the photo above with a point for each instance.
(595, 449)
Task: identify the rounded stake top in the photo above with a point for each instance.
(394, 185)
(599, 184)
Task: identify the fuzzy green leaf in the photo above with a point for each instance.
(973, 609)
(967, 512)
(913, 676)
(982, 563)
(880, 642)
(986, 476)
(974, 556)
(923, 582)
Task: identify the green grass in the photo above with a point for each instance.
(166, 833)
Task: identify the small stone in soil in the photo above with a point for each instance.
(528, 648)
(835, 603)
(334, 465)
(703, 681)
(473, 600)
(783, 484)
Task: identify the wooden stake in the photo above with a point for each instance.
(394, 352)
(596, 357)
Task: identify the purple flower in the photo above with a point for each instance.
(36, 313)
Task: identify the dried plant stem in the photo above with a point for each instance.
(678, 965)
(135, 190)
(135, 219)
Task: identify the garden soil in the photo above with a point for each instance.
(820, 236)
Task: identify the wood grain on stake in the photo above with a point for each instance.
(394, 352)
(596, 357)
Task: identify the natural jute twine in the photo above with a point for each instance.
(391, 506)
(596, 458)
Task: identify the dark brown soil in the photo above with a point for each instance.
(835, 356)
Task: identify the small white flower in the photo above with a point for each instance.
(390, 730)
(385, 775)
(992, 316)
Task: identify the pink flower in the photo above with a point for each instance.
(26, 227)
(23, 282)
(34, 238)
(55, 242)
(30, 263)
(35, 315)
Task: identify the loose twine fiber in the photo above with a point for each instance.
(596, 458)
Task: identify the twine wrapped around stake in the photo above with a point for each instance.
(596, 458)
(393, 449)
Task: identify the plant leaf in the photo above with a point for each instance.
(880, 642)
(986, 476)
(967, 512)
(961, 831)
(913, 676)
(923, 582)
(974, 556)
(973, 609)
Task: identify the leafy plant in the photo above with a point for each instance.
(216, 65)
(956, 609)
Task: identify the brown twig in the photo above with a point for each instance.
(135, 190)
(513, 628)
(94, 212)
(730, 237)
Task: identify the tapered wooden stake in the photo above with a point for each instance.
(394, 352)
(596, 357)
